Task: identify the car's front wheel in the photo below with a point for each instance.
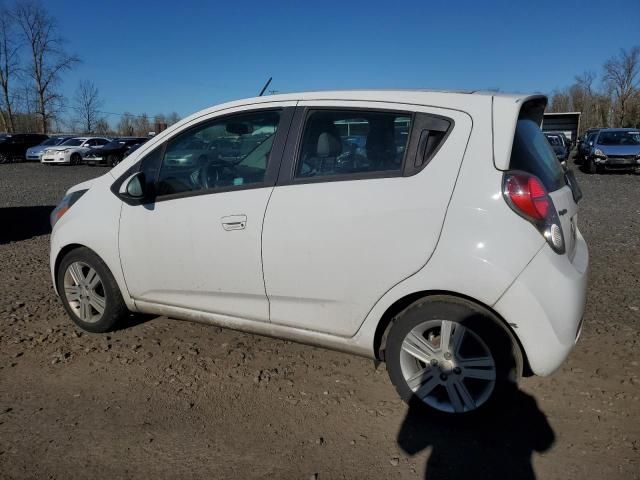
(89, 292)
(450, 356)
(4, 158)
(591, 166)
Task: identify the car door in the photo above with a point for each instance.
(17, 146)
(359, 206)
(197, 245)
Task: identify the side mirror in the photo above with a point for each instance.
(134, 188)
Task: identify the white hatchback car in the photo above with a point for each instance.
(71, 151)
(433, 230)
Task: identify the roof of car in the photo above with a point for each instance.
(356, 94)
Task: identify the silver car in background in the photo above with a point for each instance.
(34, 154)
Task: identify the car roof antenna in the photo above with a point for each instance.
(265, 86)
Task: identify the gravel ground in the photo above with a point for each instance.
(169, 399)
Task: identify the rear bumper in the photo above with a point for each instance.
(545, 306)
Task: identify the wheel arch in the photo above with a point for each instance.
(74, 246)
(387, 319)
(61, 254)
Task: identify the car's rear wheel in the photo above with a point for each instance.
(89, 292)
(76, 159)
(113, 160)
(4, 158)
(450, 356)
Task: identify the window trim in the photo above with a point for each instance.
(419, 120)
(273, 163)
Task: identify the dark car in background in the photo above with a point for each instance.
(113, 152)
(615, 149)
(13, 146)
(557, 144)
(585, 143)
(35, 153)
(132, 149)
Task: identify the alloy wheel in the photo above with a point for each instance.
(448, 366)
(84, 292)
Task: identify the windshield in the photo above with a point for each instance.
(555, 141)
(51, 141)
(619, 138)
(73, 142)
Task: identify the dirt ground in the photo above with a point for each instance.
(170, 399)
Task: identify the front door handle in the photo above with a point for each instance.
(234, 222)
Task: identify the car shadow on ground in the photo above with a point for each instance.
(20, 223)
(135, 319)
(496, 445)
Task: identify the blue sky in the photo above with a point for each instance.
(162, 56)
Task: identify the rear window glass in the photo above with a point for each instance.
(532, 153)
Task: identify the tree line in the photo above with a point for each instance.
(610, 99)
(33, 61)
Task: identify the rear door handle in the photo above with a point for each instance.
(234, 222)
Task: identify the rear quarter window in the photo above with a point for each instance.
(532, 153)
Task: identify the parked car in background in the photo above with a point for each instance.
(615, 149)
(558, 147)
(585, 143)
(71, 150)
(35, 153)
(131, 149)
(458, 274)
(113, 152)
(565, 141)
(13, 146)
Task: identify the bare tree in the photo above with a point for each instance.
(173, 118)
(126, 125)
(142, 125)
(48, 57)
(9, 66)
(102, 127)
(560, 101)
(622, 73)
(87, 104)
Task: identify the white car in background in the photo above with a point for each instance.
(71, 151)
(446, 246)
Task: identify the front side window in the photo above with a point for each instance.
(232, 151)
(352, 142)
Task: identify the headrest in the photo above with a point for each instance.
(328, 145)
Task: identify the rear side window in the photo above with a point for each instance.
(352, 142)
(532, 153)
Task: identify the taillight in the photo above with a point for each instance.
(527, 196)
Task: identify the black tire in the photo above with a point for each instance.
(115, 310)
(486, 326)
(113, 160)
(76, 159)
(591, 166)
(4, 158)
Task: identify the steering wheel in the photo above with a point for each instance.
(212, 173)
